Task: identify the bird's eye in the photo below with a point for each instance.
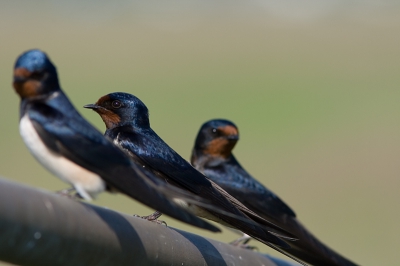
(214, 130)
(116, 104)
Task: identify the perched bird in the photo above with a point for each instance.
(72, 149)
(212, 155)
(127, 122)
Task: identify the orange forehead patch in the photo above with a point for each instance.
(22, 72)
(102, 100)
(228, 130)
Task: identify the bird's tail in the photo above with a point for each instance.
(309, 249)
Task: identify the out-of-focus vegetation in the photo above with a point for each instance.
(313, 88)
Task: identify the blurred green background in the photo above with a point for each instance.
(312, 85)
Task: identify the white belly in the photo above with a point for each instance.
(86, 183)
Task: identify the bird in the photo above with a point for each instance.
(72, 149)
(127, 123)
(212, 155)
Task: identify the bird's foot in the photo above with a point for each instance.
(242, 243)
(152, 217)
(245, 246)
(67, 193)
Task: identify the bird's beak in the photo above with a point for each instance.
(233, 137)
(91, 106)
(19, 79)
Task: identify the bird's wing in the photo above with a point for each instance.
(277, 230)
(232, 177)
(159, 156)
(78, 141)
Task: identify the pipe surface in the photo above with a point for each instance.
(39, 228)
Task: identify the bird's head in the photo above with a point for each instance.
(118, 109)
(217, 138)
(34, 75)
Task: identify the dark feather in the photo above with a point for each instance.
(78, 141)
(150, 150)
(230, 175)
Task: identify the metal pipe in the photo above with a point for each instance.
(39, 228)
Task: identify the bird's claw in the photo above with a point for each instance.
(151, 218)
(245, 246)
(242, 243)
(67, 193)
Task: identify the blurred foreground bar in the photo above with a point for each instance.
(42, 228)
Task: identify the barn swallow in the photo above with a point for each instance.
(212, 155)
(127, 124)
(72, 149)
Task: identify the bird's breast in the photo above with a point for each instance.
(87, 183)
